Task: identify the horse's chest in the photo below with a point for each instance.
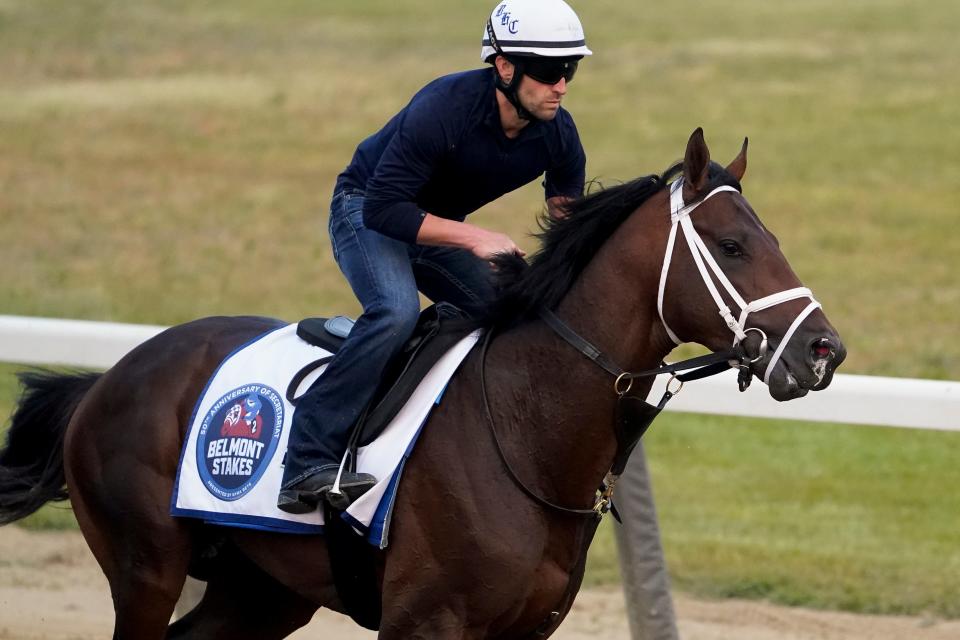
(535, 601)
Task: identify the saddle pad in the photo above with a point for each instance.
(231, 464)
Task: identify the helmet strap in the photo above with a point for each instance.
(509, 89)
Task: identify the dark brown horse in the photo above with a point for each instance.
(471, 554)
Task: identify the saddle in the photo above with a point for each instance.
(439, 327)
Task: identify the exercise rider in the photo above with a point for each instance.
(397, 217)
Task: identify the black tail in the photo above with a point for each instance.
(31, 463)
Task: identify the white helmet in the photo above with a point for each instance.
(548, 28)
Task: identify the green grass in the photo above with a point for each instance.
(812, 514)
(817, 514)
(165, 161)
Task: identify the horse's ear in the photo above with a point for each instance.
(696, 163)
(739, 165)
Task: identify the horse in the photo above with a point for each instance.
(487, 538)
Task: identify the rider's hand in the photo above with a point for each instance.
(557, 206)
(440, 232)
(487, 244)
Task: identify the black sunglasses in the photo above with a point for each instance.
(549, 71)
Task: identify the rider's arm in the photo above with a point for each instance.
(408, 162)
(565, 177)
(438, 231)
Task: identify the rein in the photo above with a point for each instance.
(705, 365)
(503, 458)
(701, 366)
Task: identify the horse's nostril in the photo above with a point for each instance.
(823, 348)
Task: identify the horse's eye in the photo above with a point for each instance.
(730, 248)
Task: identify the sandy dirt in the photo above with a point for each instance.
(52, 589)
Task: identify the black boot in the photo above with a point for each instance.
(305, 495)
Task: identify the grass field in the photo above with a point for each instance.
(164, 161)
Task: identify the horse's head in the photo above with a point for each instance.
(725, 281)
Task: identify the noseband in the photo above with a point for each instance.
(680, 218)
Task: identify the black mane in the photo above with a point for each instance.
(568, 244)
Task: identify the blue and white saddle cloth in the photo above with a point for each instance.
(231, 464)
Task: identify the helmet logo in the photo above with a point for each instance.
(505, 20)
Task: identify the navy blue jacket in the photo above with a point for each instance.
(445, 153)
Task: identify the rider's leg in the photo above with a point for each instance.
(378, 269)
(446, 274)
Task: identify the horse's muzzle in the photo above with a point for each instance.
(824, 355)
(808, 365)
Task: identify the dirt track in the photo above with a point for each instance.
(51, 589)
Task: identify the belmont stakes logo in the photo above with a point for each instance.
(238, 438)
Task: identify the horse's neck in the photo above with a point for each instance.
(560, 421)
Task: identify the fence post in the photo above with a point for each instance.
(646, 584)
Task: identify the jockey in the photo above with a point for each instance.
(397, 217)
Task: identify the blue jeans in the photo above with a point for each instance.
(385, 275)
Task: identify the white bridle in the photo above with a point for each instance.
(680, 217)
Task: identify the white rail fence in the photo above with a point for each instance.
(851, 399)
